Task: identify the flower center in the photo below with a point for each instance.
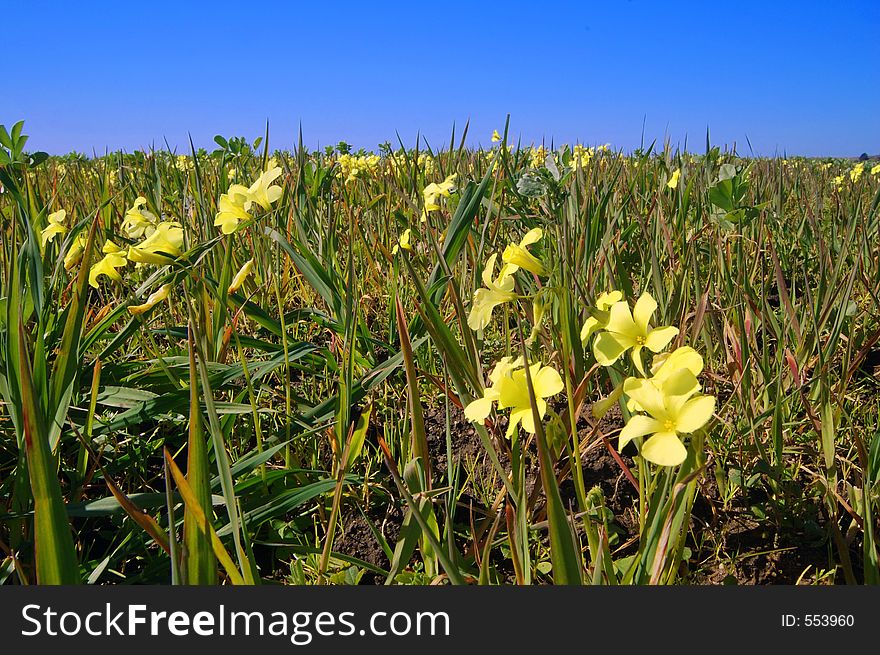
(640, 341)
(669, 425)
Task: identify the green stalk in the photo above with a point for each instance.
(198, 560)
(55, 553)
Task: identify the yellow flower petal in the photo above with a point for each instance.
(514, 254)
(695, 414)
(504, 367)
(107, 266)
(547, 382)
(648, 396)
(620, 321)
(683, 357)
(532, 236)
(484, 302)
(478, 410)
(590, 326)
(240, 276)
(155, 298)
(517, 254)
(682, 382)
(527, 419)
(262, 193)
(664, 449)
(643, 311)
(658, 339)
(52, 230)
(637, 426)
(608, 347)
(57, 217)
(160, 247)
(74, 254)
(607, 299)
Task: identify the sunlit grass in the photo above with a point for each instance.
(249, 365)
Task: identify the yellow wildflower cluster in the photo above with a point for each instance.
(353, 168)
(499, 290)
(434, 191)
(184, 163)
(537, 156)
(235, 205)
(425, 162)
(581, 155)
(139, 222)
(162, 242)
(668, 403)
(856, 172)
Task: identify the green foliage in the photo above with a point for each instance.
(305, 423)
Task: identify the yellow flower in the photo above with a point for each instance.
(673, 181)
(478, 410)
(155, 298)
(403, 242)
(75, 253)
(114, 257)
(856, 172)
(184, 163)
(875, 170)
(838, 182)
(629, 330)
(261, 192)
(510, 390)
(138, 222)
(518, 256)
(495, 136)
(537, 156)
(666, 365)
(671, 409)
(496, 292)
(54, 228)
(513, 393)
(433, 192)
(580, 156)
(241, 276)
(599, 318)
(160, 247)
(235, 206)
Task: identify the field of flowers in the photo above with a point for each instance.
(515, 364)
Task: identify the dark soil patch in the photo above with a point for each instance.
(356, 539)
(466, 443)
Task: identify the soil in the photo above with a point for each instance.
(357, 540)
(735, 546)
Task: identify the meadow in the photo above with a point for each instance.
(438, 364)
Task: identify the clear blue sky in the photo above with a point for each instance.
(797, 77)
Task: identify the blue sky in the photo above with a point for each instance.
(94, 75)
